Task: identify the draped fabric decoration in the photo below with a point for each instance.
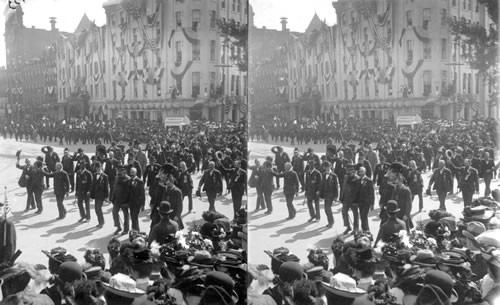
(122, 80)
(96, 70)
(136, 74)
(243, 104)
(384, 75)
(382, 19)
(409, 71)
(170, 38)
(367, 48)
(403, 32)
(227, 104)
(135, 50)
(460, 102)
(180, 76)
(152, 75)
(134, 7)
(420, 37)
(151, 19)
(191, 40)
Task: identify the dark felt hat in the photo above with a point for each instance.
(165, 208)
(392, 207)
(69, 272)
(220, 279)
(290, 272)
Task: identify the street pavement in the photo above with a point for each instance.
(267, 232)
(44, 232)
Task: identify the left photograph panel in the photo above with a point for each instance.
(123, 146)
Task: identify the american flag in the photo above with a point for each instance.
(243, 104)
(475, 104)
(460, 103)
(227, 104)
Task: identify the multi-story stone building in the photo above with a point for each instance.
(269, 71)
(385, 58)
(31, 68)
(154, 59)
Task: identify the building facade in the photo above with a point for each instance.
(31, 68)
(385, 58)
(269, 71)
(153, 59)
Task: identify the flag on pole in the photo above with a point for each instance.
(242, 101)
(227, 104)
(475, 104)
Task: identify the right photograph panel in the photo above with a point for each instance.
(373, 156)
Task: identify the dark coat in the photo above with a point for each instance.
(122, 191)
(137, 195)
(469, 180)
(185, 183)
(329, 186)
(291, 182)
(83, 182)
(61, 182)
(100, 187)
(442, 182)
(366, 195)
(174, 196)
(68, 165)
(403, 196)
(313, 182)
(298, 164)
(350, 189)
(238, 181)
(211, 181)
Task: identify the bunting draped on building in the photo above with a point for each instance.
(227, 104)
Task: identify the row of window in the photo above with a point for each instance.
(466, 4)
(446, 87)
(95, 90)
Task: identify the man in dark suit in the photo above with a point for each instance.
(237, 185)
(442, 180)
(99, 192)
(312, 190)
(51, 158)
(69, 167)
(469, 182)
(379, 177)
(290, 188)
(329, 191)
(488, 168)
(173, 195)
(298, 167)
(150, 173)
(402, 195)
(137, 198)
(280, 158)
(121, 200)
(366, 198)
(110, 170)
(36, 176)
(185, 184)
(212, 184)
(83, 187)
(348, 196)
(61, 187)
